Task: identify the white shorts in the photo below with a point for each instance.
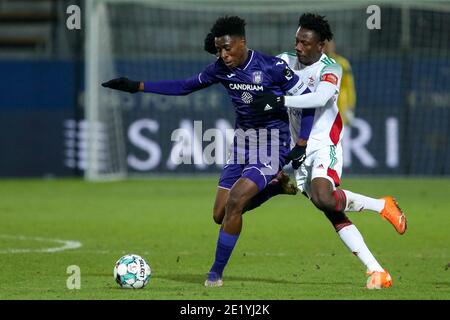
(321, 163)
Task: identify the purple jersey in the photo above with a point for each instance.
(259, 74)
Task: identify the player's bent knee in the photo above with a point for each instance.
(219, 210)
(234, 204)
(218, 216)
(323, 201)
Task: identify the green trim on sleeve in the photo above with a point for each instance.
(332, 68)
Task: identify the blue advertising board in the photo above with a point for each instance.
(401, 127)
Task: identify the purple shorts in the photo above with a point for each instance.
(260, 165)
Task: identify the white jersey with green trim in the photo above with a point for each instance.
(326, 127)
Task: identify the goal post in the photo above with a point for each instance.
(105, 138)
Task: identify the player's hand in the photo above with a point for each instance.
(122, 84)
(297, 155)
(267, 103)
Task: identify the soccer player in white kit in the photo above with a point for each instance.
(317, 147)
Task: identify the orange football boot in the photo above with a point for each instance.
(378, 280)
(392, 213)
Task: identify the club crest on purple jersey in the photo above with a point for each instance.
(257, 77)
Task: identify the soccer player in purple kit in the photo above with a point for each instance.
(281, 184)
(257, 157)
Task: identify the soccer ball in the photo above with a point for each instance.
(132, 272)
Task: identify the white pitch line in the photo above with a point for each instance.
(65, 244)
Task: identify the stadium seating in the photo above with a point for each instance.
(27, 27)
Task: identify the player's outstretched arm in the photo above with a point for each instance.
(167, 87)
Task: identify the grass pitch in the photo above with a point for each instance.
(287, 250)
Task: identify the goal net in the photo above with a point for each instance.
(398, 65)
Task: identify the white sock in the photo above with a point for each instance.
(354, 241)
(358, 202)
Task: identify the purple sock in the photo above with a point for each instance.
(225, 246)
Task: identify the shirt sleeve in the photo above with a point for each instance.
(183, 87)
(328, 86)
(316, 99)
(331, 73)
(285, 78)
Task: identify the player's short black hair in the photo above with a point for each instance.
(232, 26)
(316, 23)
(209, 45)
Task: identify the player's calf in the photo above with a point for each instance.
(281, 184)
(338, 219)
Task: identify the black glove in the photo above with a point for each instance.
(123, 84)
(267, 103)
(297, 155)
